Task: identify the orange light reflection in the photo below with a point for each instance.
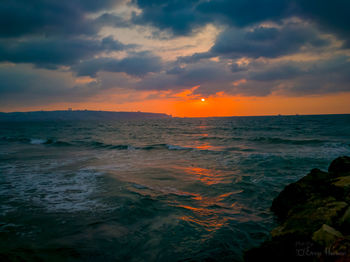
(206, 176)
(211, 212)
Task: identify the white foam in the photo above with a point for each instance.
(174, 147)
(57, 191)
(37, 141)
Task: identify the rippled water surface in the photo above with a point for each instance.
(153, 190)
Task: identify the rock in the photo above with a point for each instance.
(341, 187)
(285, 248)
(343, 181)
(305, 219)
(344, 222)
(315, 183)
(340, 166)
(326, 236)
(339, 251)
(291, 196)
(314, 218)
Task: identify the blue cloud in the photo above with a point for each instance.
(137, 64)
(53, 52)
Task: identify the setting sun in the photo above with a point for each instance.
(203, 99)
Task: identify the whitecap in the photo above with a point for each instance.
(174, 147)
(37, 141)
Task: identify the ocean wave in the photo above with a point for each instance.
(212, 138)
(52, 142)
(14, 139)
(130, 147)
(277, 140)
(102, 145)
(106, 146)
(38, 141)
(34, 141)
(175, 147)
(93, 144)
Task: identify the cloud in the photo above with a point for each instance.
(258, 78)
(331, 16)
(136, 64)
(180, 17)
(299, 78)
(23, 85)
(290, 47)
(177, 16)
(112, 20)
(269, 42)
(243, 13)
(53, 52)
(47, 17)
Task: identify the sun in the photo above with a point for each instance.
(203, 99)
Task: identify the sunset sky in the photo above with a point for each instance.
(180, 57)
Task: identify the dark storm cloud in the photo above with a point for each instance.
(270, 42)
(299, 78)
(53, 52)
(331, 16)
(333, 68)
(137, 64)
(50, 17)
(246, 12)
(267, 41)
(22, 85)
(279, 71)
(180, 16)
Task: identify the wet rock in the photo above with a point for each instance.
(344, 222)
(284, 248)
(340, 166)
(314, 218)
(338, 251)
(326, 235)
(341, 187)
(307, 218)
(314, 183)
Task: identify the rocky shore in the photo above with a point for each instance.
(314, 218)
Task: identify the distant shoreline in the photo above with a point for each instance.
(81, 114)
(66, 115)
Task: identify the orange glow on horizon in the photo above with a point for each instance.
(187, 104)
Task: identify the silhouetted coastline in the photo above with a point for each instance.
(77, 115)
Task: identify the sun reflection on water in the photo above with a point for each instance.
(211, 213)
(207, 176)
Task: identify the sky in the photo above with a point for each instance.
(187, 58)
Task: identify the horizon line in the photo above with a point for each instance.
(107, 111)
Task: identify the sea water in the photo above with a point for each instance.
(192, 189)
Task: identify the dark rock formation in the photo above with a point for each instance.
(314, 218)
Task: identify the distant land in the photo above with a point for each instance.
(77, 115)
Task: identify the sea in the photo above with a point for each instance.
(176, 189)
